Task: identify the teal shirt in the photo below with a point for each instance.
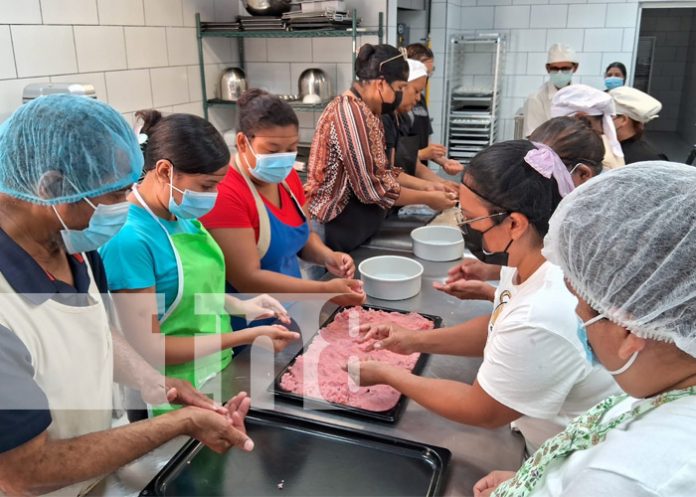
(140, 255)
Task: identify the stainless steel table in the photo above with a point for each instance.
(475, 451)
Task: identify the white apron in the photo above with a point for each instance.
(72, 356)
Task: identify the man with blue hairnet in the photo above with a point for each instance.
(66, 164)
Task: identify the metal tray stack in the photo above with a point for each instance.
(473, 91)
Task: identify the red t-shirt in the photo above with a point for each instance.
(235, 206)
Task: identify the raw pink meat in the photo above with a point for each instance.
(318, 373)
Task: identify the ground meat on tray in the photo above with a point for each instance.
(318, 373)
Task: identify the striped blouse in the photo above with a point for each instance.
(348, 158)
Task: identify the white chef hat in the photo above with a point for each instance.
(560, 52)
(635, 104)
(416, 69)
(588, 100)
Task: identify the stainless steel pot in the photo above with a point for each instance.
(232, 84)
(267, 7)
(315, 82)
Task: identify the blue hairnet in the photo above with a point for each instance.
(59, 149)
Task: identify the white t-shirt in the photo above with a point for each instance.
(535, 361)
(537, 107)
(652, 456)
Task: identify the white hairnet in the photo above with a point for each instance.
(416, 70)
(591, 101)
(626, 241)
(59, 149)
(635, 104)
(560, 52)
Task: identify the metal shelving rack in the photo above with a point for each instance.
(201, 32)
(473, 94)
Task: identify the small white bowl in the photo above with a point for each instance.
(438, 243)
(391, 277)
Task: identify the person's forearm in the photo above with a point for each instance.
(427, 174)
(315, 251)
(408, 181)
(60, 463)
(262, 281)
(409, 196)
(130, 368)
(466, 339)
(447, 398)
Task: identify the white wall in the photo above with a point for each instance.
(143, 53)
(600, 31)
(137, 53)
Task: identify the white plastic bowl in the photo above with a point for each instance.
(391, 277)
(438, 243)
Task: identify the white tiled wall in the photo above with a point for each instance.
(687, 119)
(276, 64)
(601, 31)
(137, 53)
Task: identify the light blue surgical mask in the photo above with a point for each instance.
(613, 82)
(561, 79)
(593, 359)
(272, 168)
(106, 221)
(194, 205)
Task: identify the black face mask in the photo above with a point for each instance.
(390, 108)
(473, 240)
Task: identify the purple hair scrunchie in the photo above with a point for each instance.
(547, 163)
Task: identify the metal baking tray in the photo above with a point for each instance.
(298, 457)
(390, 416)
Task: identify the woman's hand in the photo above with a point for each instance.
(441, 201)
(432, 152)
(350, 291)
(390, 337)
(473, 269)
(467, 289)
(367, 373)
(260, 307)
(279, 336)
(340, 264)
(452, 167)
(486, 485)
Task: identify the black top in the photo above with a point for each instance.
(419, 123)
(26, 277)
(638, 150)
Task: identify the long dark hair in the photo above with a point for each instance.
(574, 140)
(370, 57)
(500, 176)
(260, 110)
(189, 142)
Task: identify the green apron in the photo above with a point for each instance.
(199, 300)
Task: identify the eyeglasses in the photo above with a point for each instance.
(463, 222)
(402, 55)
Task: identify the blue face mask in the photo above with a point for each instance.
(613, 82)
(272, 168)
(106, 221)
(194, 205)
(561, 79)
(582, 335)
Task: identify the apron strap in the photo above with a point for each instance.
(264, 241)
(179, 265)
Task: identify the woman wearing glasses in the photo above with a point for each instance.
(581, 150)
(537, 370)
(351, 186)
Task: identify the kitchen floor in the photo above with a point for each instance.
(670, 143)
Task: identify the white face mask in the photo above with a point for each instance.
(631, 359)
